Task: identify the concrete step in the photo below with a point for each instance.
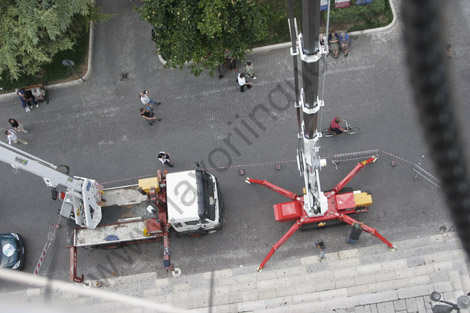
(362, 279)
(430, 267)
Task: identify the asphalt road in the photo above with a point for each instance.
(96, 129)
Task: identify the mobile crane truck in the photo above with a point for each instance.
(188, 201)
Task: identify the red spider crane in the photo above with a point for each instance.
(314, 206)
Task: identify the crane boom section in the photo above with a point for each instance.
(29, 163)
(82, 196)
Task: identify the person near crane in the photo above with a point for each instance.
(335, 128)
(164, 157)
(356, 231)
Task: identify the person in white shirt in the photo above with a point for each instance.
(165, 158)
(242, 82)
(147, 101)
(13, 138)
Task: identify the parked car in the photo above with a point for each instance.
(12, 251)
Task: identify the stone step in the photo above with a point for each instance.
(366, 278)
(353, 278)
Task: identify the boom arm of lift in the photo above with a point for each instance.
(82, 195)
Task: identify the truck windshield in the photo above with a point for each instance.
(205, 195)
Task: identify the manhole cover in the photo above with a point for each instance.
(124, 76)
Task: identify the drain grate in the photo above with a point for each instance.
(124, 76)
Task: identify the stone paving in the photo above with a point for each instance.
(361, 280)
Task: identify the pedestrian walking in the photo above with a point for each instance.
(147, 101)
(165, 158)
(26, 99)
(322, 247)
(149, 116)
(13, 138)
(222, 69)
(356, 231)
(242, 82)
(249, 69)
(17, 125)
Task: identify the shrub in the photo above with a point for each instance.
(356, 13)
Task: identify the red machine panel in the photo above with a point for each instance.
(288, 211)
(345, 201)
(153, 226)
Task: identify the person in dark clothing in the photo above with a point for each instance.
(165, 158)
(149, 116)
(26, 98)
(17, 125)
(356, 231)
(322, 247)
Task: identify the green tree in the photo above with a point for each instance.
(198, 31)
(33, 31)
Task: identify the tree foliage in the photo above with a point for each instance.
(198, 31)
(33, 31)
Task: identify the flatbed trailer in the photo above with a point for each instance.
(131, 214)
(135, 218)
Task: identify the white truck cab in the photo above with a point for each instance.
(193, 200)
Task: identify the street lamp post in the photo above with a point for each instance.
(70, 63)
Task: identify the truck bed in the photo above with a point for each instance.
(122, 232)
(124, 219)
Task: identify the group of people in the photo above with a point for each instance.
(31, 98)
(337, 42)
(230, 64)
(242, 77)
(11, 134)
(148, 114)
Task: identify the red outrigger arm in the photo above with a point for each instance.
(332, 212)
(367, 229)
(278, 244)
(351, 175)
(306, 220)
(271, 186)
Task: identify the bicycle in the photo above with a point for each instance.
(350, 130)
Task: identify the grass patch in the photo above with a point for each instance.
(353, 18)
(54, 72)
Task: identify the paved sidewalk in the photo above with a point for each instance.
(362, 280)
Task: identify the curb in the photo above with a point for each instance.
(258, 50)
(285, 45)
(356, 33)
(73, 82)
